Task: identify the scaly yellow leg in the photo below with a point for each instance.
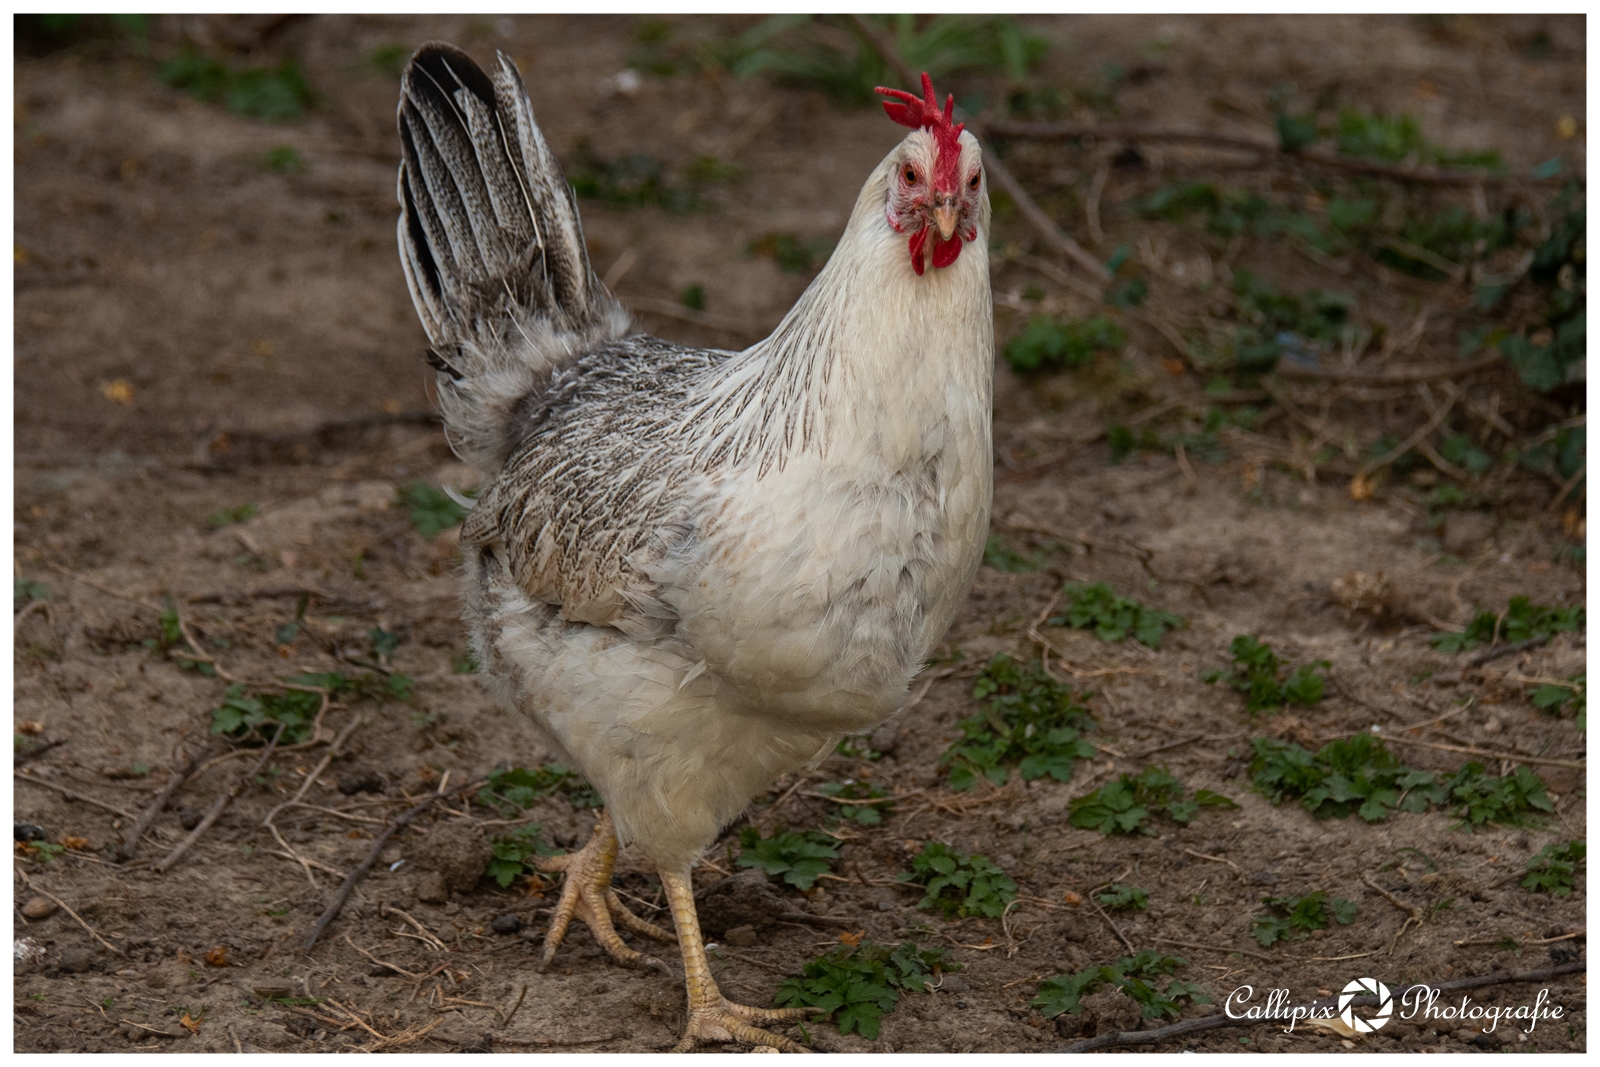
(587, 894)
(713, 1017)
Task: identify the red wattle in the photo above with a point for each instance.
(918, 240)
(945, 252)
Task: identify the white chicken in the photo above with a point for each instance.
(695, 569)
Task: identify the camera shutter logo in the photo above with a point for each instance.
(1365, 987)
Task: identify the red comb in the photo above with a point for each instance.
(924, 114)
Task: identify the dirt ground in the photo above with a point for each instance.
(196, 331)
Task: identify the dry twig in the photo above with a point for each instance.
(130, 839)
(365, 865)
(216, 808)
(73, 795)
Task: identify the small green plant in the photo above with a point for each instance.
(389, 59)
(465, 661)
(228, 516)
(1258, 673)
(1359, 775)
(1135, 975)
(384, 643)
(959, 885)
(798, 856)
(284, 159)
(1002, 557)
(1556, 697)
(43, 851)
(1296, 917)
(1552, 870)
(1123, 806)
(1521, 621)
(24, 591)
(1032, 722)
(276, 93)
(512, 852)
(874, 801)
(1124, 897)
(794, 255)
(797, 50)
(863, 983)
(289, 715)
(694, 297)
(514, 789)
(432, 510)
(856, 748)
(1050, 344)
(1111, 617)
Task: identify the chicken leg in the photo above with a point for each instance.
(586, 894)
(713, 1017)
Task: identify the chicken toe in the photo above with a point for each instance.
(586, 894)
(713, 1017)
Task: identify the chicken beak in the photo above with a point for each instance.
(945, 217)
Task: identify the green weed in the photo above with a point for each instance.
(1117, 896)
(25, 590)
(1048, 343)
(228, 516)
(867, 813)
(1359, 775)
(277, 93)
(1111, 617)
(1031, 721)
(795, 50)
(1521, 621)
(959, 885)
(1125, 805)
(284, 159)
(1259, 674)
(289, 715)
(1295, 917)
(1555, 698)
(793, 254)
(862, 984)
(1552, 870)
(798, 856)
(389, 59)
(432, 510)
(1135, 975)
(512, 852)
(514, 789)
(1000, 556)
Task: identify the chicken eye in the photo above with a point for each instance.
(972, 182)
(910, 176)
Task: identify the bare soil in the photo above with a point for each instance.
(249, 315)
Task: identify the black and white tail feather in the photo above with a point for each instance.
(492, 247)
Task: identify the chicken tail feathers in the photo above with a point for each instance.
(492, 247)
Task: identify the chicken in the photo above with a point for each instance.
(695, 570)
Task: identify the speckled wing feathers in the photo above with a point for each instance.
(599, 492)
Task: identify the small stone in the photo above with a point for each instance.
(509, 923)
(39, 908)
(189, 818)
(431, 888)
(351, 784)
(741, 936)
(26, 831)
(885, 738)
(76, 960)
(952, 984)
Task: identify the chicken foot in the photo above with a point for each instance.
(586, 894)
(713, 1017)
